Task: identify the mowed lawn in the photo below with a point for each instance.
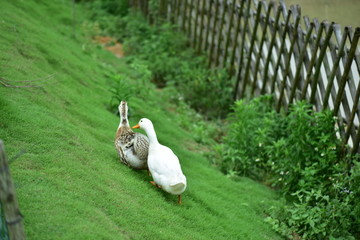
(69, 182)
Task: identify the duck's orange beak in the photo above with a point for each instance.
(136, 126)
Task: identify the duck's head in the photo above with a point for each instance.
(144, 123)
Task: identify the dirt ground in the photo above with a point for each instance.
(111, 45)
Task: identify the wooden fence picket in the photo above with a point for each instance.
(13, 217)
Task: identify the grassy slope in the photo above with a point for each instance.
(70, 184)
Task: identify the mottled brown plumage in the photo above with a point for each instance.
(131, 146)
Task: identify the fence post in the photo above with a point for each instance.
(197, 10)
(335, 67)
(190, 18)
(209, 16)
(257, 62)
(177, 11)
(172, 11)
(199, 47)
(352, 117)
(300, 64)
(212, 46)
(271, 46)
(288, 61)
(13, 217)
(163, 9)
(220, 38)
(184, 16)
(241, 49)
(312, 61)
(252, 42)
(237, 31)
(228, 35)
(347, 67)
(281, 50)
(319, 62)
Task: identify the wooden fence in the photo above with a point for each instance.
(271, 49)
(8, 200)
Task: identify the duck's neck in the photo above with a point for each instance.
(150, 132)
(123, 120)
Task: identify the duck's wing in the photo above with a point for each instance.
(141, 146)
(165, 168)
(120, 152)
(169, 162)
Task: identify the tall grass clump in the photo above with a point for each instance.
(299, 154)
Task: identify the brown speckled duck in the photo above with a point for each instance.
(132, 147)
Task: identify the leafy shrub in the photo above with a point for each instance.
(299, 154)
(172, 62)
(307, 154)
(108, 15)
(207, 91)
(204, 132)
(166, 52)
(242, 151)
(121, 86)
(161, 46)
(106, 8)
(323, 212)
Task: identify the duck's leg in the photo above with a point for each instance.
(179, 199)
(153, 183)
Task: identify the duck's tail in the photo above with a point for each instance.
(178, 188)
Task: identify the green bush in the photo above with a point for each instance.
(207, 91)
(299, 154)
(204, 132)
(161, 46)
(248, 132)
(172, 62)
(104, 8)
(307, 154)
(122, 87)
(108, 16)
(323, 212)
(166, 52)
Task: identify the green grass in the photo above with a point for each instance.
(69, 183)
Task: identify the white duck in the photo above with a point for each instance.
(163, 164)
(132, 147)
